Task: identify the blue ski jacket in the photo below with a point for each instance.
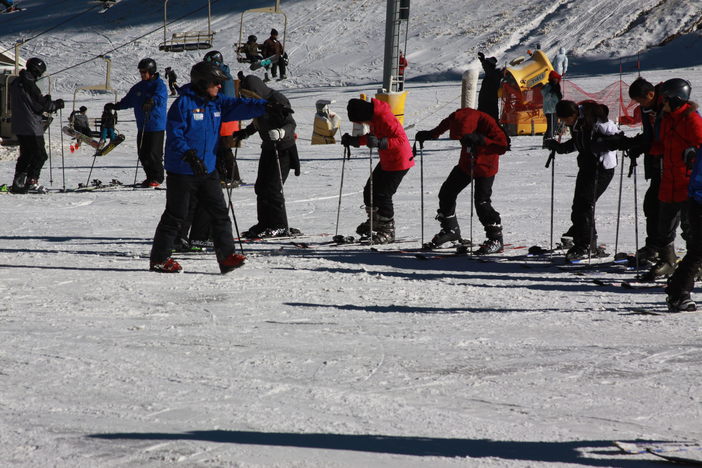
(194, 121)
(155, 89)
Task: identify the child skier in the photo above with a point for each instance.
(589, 125)
(395, 154)
(482, 141)
(108, 120)
(79, 120)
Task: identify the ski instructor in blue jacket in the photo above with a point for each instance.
(149, 98)
(192, 137)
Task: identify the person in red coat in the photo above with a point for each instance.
(482, 143)
(680, 128)
(395, 153)
(402, 64)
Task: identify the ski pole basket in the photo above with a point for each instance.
(189, 40)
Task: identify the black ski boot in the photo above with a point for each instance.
(449, 232)
(383, 230)
(19, 184)
(665, 266)
(494, 243)
(681, 303)
(363, 229)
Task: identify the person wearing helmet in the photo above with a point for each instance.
(172, 80)
(272, 46)
(681, 137)
(28, 123)
(192, 136)
(149, 98)
(680, 129)
(278, 156)
(252, 49)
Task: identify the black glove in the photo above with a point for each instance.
(295, 163)
(689, 155)
(240, 135)
(472, 140)
(551, 144)
(148, 105)
(423, 135)
(348, 140)
(481, 56)
(372, 141)
(195, 163)
(225, 162)
(59, 104)
(110, 106)
(618, 142)
(277, 108)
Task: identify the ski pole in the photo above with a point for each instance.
(372, 206)
(90, 173)
(421, 187)
(632, 170)
(282, 192)
(63, 162)
(51, 168)
(140, 147)
(347, 154)
(619, 210)
(472, 194)
(551, 161)
(231, 209)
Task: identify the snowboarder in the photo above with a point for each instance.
(551, 93)
(28, 109)
(680, 129)
(402, 64)
(252, 49)
(272, 46)
(396, 159)
(79, 121)
(193, 124)
(560, 62)
(149, 98)
(108, 120)
(487, 96)
(482, 141)
(278, 156)
(172, 80)
(9, 6)
(589, 125)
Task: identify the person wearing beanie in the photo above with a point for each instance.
(272, 46)
(192, 133)
(395, 159)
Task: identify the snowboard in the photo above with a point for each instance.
(265, 62)
(8, 11)
(71, 132)
(107, 4)
(110, 146)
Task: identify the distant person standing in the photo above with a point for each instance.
(560, 62)
(172, 80)
(272, 46)
(402, 64)
(149, 98)
(552, 95)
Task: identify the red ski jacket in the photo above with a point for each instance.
(680, 130)
(398, 154)
(486, 156)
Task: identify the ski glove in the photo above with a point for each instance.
(59, 104)
(110, 106)
(195, 163)
(295, 162)
(689, 155)
(472, 140)
(148, 105)
(373, 141)
(423, 135)
(618, 142)
(276, 134)
(348, 140)
(240, 135)
(276, 108)
(551, 144)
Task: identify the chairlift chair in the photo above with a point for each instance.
(105, 88)
(239, 46)
(189, 40)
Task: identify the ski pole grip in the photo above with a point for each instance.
(551, 157)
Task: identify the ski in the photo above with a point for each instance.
(110, 146)
(71, 132)
(630, 284)
(637, 448)
(8, 11)
(683, 460)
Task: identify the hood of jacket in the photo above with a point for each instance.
(256, 85)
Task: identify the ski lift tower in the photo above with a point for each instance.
(396, 26)
(189, 40)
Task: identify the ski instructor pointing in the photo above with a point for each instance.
(149, 98)
(191, 147)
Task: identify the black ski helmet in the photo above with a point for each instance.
(83, 109)
(214, 56)
(253, 38)
(36, 66)
(677, 91)
(204, 74)
(147, 64)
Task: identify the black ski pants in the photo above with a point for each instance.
(683, 279)
(181, 190)
(385, 184)
(482, 195)
(32, 155)
(278, 65)
(590, 184)
(651, 203)
(273, 170)
(670, 216)
(150, 150)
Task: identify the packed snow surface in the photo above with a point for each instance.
(336, 355)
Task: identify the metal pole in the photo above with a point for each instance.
(372, 207)
(63, 163)
(341, 187)
(421, 185)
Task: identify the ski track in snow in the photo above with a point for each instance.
(333, 355)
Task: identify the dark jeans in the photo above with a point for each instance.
(683, 279)
(459, 180)
(32, 155)
(270, 199)
(173, 87)
(385, 184)
(276, 66)
(670, 216)
(650, 204)
(150, 151)
(181, 190)
(590, 184)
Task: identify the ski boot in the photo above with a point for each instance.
(33, 185)
(266, 78)
(567, 241)
(575, 253)
(449, 232)
(493, 243)
(232, 262)
(682, 303)
(181, 245)
(201, 246)
(383, 230)
(19, 184)
(647, 255)
(363, 229)
(167, 266)
(664, 267)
